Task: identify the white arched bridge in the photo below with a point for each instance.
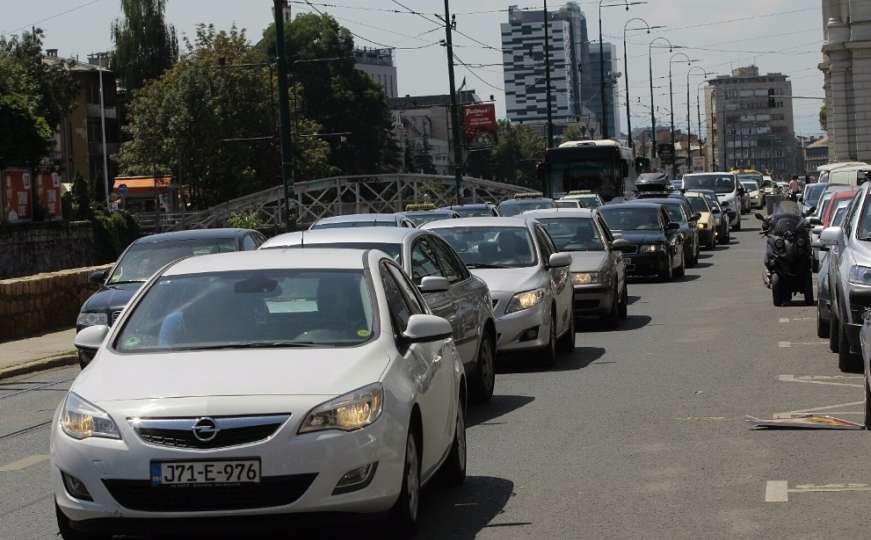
(315, 199)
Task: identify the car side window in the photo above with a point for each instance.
(424, 262)
(400, 311)
(546, 244)
(248, 243)
(453, 269)
(605, 231)
(409, 291)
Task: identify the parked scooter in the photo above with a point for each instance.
(788, 254)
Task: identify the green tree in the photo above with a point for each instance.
(24, 137)
(209, 122)
(145, 45)
(517, 153)
(337, 95)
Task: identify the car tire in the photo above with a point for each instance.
(847, 361)
(402, 518)
(566, 343)
(833, 333)
(682, 269)
(724, 238)
(67, 532)
(668, 274)
(485, 370)
(549, 351)
(623, 307)
(809, 289)
(712, 245)
(822, 324)
(867, 403)
(453, 472)
(776, 291)
(737, 226)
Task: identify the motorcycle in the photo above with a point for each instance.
(788, 255)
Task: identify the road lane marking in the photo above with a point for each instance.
(789, 344)
(779, 490)
(826, 408)
(784, 320)
(701, 418)
(24, 463)
(776, 491)
(821, 379)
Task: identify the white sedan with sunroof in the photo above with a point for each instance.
(261, 384)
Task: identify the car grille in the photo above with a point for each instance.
(859, 302)
(232, 431)
(586, 304)
(270, 492)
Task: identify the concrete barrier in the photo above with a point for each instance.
(43, 302)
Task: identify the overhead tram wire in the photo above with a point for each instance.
(474, 74)
(384, 45)
(50, 17)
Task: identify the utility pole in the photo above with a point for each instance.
(283, 106)
(689, 130)
(455, 109)
(699, 118)
(547, 76)
(650, 71)
(604, 127)
(100, 69)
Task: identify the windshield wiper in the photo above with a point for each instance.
(121, 282)
(485, 265)
(257, 345)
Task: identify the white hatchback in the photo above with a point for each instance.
(261, 383)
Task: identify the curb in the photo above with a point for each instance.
(63, 359)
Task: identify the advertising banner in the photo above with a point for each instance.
(479, 121)
(48, 192)
(17, 193)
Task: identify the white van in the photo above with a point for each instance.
(850, 176)
(727, 187)
(826, 170)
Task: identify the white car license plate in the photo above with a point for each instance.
(245, 471)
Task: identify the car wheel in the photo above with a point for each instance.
(847, 361)
(682, 269)
(623, 309)
(776, 291)
(867, 403)
(712, 245)
(809, 289)
(453, 472)
(403, 515)
(822, 324)
(67, 532)
(567, 341)
(833, 333)
(485, 378)
(549, 351)
(737, 225)
(668, 273)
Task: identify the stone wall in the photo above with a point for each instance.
(27, 249)
(43, 302)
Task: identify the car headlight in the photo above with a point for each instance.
(703, 225)
(92, 319)
(355, 410)
(525, 300)
(652, 248)
(860, 275)
(585, 278)
(81, 419)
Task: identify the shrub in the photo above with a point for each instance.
(243, 220)
(113, 232)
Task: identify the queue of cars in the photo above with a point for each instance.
(364, 339)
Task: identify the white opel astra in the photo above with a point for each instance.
(259, 383)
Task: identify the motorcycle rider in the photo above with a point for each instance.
(794, 187)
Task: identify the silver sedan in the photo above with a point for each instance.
(450, 290)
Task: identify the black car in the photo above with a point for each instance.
(657, 242)
(143, 258)
(680, 211)
(652, 184)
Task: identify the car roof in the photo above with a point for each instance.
(433, 212)
(356, 218)
(470, 206)
(329, 259)
(837, 188)
(712, 173)
(845, 194)
(526, 200)
(195, 234)
(633, 204)
(513, 221)
(559, 212)
(664, 200)
(385, 235)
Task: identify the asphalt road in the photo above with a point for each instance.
(640, 433)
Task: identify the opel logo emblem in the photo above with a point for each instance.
(205, 429)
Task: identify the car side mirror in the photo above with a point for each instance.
(425, 329)
(434, 284)
(815, 221)
(672, 226)
(759, 216)
(622, 245)
(818, 230)
(98, 277)
(819, 246)
(91, 337)
(695, 217)
(831, 236)
(559, 260)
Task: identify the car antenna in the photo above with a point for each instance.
(302, 239)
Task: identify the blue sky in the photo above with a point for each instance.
(778, 35)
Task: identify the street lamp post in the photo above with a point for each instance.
(671, 107)
(604, 127)
(652, 106)
(689, 117)
(626, 73)
(699, 117)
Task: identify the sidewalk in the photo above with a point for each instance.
(37, 353)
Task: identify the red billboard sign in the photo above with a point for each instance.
(480, 125)
(17, 193)
(48, 194)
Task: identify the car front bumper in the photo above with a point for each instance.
(307, 466)
(522, 330)
(591, 300)
(644, 264)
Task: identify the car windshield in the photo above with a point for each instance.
(573, 234)
(143, 259)
(488, 247)
(718, 182)
(474, 212)
(839, 215)
(674, 213)
(698, 204)
(581, 202)
(513, 208)
(566, 204)
(353, 224)
(251, 308)
(420, 218)
(864, 232)
(812, 193)
(631, 219)
(394, 250)
(824, 204)
(750, 186)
